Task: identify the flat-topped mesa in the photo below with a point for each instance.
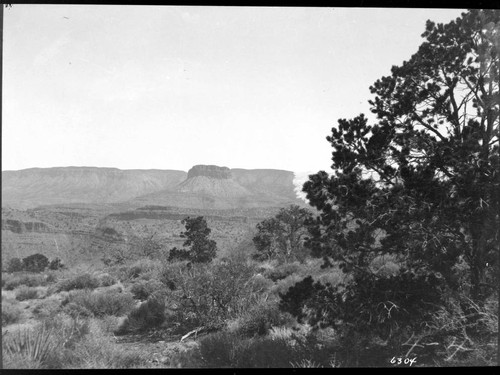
(213, 171)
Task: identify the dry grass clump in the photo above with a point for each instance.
(147, 315)
(98, 304)
(106, 279)
(12, 281)
(282, 271)
(98, 350)
(10, 313)
(25, 293)
(69, 343)
(259, 319)
(224, 349)
(142, 289)
(83, 281)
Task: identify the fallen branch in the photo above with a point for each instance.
(193, 332)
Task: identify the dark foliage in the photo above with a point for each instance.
(427, 169)
(35, 263)
(56, 264)
(378, 311)
(15, 265)
(200, 249)
(282, 236)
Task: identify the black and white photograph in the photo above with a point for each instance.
(238, 187)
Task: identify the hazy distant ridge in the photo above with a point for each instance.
(39, 186)
(227, 188)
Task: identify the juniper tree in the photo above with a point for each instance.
(426, 172)
(421, 181)
(200, 249)
(282, 236)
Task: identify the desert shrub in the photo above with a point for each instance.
(148, 315)
(259, 283)
(282, 271)
(55, 264)
(14, 265)
(85, 281)
(29, 280)
(225, 349)
(98, 350)
(218, 349)
(261, 317)
(98, 303)
(67, 330)
(142, 268)
(76, 310)
(382, 312)
(26, 292)
(10, 313)
(197, 247)
(465, 333)
(46, 308)
(143, 289)
(35, 263)
(82, 343)
(208, 295)
(33, 345)
(106, 280)
(51, 278)
(19, 361)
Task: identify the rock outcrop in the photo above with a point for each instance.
(212, 171)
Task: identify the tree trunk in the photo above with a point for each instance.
(478, 263)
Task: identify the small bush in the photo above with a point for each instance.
(106, 280)
(259, 283)
(143, 289)
(51, 278)
(10, 313)
(282, 271)
(218, 349)
(98, 304)
(46, 308)
(142, 268)
(35, 263)
(97, 350)
(55, 264)
(29, 280)
(223, 349)
(14, 265)
(26, 292)
(19, 361)
(76, 310)
(85, 281)
(260, 318)
(148, 315)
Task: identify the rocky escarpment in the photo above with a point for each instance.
(202, 187)
(17, 226)
(213, 171)
(211, 180)
(33, 187)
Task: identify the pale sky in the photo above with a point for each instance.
(163, 87)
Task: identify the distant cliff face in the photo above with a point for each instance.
(212, 171)
(33, 187)
(203, 186)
